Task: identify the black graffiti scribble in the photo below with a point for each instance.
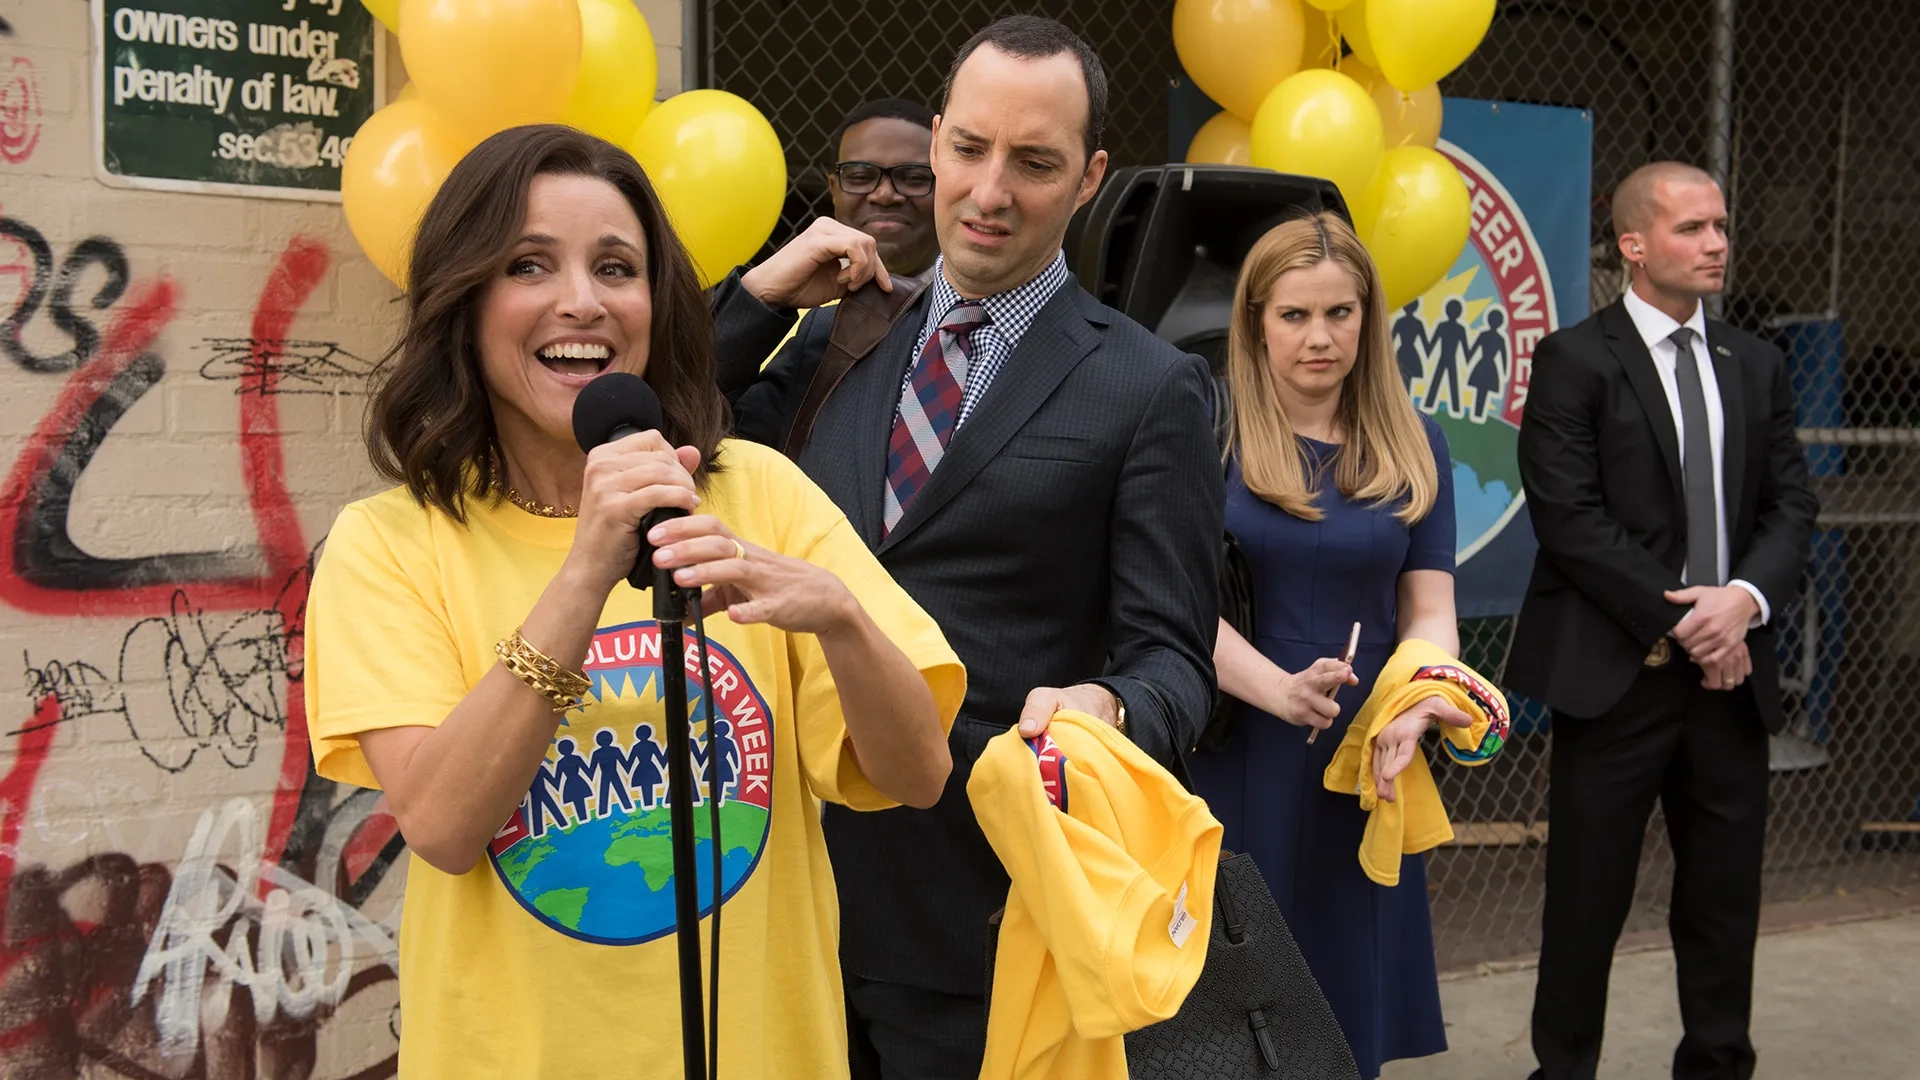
(80, 688)
(45, 554)
(55, 289)
(295, 367)
(191, 681)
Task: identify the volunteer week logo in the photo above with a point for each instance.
(588, 852)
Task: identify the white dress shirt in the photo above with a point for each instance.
(1656, 327)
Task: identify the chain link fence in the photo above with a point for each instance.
(807, 63)
(1802, 107)
(1798, 106)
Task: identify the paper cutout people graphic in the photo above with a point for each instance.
(718, 753)
(1411, 343)
(576, 786)
(540, 802)
(609, 764)
(1449, 344)
(1489, 373)
(646, 767)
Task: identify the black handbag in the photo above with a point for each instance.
(1256, 1012)
(1236, 584)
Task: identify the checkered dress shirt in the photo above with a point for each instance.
(1012, 312)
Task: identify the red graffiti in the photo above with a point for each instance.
(127, 339)
(300, 270)
(64, 978)
(16, 793)
(19, 110)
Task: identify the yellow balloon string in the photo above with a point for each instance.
(1333, 40)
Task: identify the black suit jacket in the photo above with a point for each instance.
(1070, 534)
(1600, 461)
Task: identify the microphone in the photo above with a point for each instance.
(614, 406)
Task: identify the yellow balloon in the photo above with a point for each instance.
(1329, 5)
(1222, 140)
(487, 65)
(408, 92)
(1418, 42)
(1419, 214)
(1322, 49)
(1320, 123)
(619, 71)
(387, 11)
(1238, 50)
(1353, 26)
(396, 162)
(720, 171)
(1406, 119)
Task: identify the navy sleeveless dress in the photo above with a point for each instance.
(1371, 948)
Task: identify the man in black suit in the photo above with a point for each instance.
(1035, 469)
(1670, 498)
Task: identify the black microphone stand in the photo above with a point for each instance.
(670, 611)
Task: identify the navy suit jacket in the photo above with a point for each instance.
(1072, 533)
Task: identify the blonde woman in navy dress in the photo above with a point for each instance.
(1341, 495)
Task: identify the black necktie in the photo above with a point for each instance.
(1696, 463)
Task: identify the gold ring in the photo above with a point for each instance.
(739, 549)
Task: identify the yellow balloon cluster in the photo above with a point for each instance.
(1367, 121)
(481, 66)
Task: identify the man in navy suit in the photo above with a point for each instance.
(1035, 469)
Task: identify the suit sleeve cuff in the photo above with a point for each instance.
(1147, 724)
(1766, 610)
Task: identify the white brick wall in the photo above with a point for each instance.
(170, 686)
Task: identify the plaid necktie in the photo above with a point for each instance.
(930, 407)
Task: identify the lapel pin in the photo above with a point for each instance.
(1723, 350)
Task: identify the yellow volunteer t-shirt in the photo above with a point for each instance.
(555, 956)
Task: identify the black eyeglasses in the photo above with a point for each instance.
(861, 177)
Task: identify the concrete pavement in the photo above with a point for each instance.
(1835, 1002)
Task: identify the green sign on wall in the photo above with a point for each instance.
(240, 97)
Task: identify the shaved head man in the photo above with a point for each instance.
(1671, 220)
(1669, 495)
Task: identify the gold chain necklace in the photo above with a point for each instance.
(539, 509)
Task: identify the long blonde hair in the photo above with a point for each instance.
(1386, 457)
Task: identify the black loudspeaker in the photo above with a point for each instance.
(1163, 244)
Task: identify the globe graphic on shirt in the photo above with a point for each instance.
(589, 852)
(1465, 352)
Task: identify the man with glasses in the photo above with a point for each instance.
(883, 186)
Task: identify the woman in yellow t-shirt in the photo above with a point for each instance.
(474, 650)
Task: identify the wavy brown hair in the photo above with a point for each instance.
(1386, 456)
(430, 426)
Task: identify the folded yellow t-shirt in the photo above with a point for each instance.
(1415, 821)
(1106, 925)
